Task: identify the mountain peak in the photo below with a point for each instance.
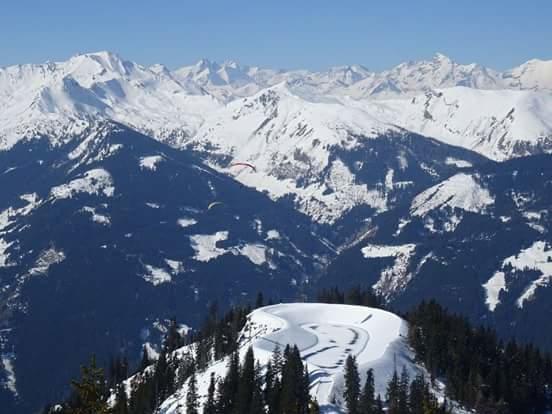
(442, 58)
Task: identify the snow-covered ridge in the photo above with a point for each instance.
(409, 78)
(461, 191)
(325, 335)
(499, 124)
(56, 99)
(60, 99)
(537, 257)
(289, 139)
(96, 181)
(395, 278)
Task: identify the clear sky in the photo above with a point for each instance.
(285, 34)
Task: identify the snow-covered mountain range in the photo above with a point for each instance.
(286, 123)
(105, 238)
(397, 180)
(58, 98)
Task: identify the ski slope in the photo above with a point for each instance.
(325, 335)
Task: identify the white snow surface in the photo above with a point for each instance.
(58, 98)
(205, 246)
(393, 279)
(46, 259)
(495, 123)
(97, 181)
(286, 123)
(156, 275)
(206, 249)
(461, 191)
(150, 162)
(325, 335)
(272, 235)
(4, 257)
(463, 104)
(537, 257)
(493, 287)
(288, 137)
(7, 219)
(256, 253)
(186, 222)
(97, 217)
(10, 382)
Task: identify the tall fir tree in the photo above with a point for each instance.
(90, 391)
(258, 404)
(210, 403)
(367, 403)
(192, 400)
(246, 383)
(393, 394)
(352, 385)
(404, 384)
(228, 387)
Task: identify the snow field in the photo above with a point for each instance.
(325, 335)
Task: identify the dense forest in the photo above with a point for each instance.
(481, 372)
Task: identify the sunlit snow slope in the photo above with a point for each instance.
(325, 335)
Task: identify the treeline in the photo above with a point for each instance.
(353, 296)
(480, 371)
(282, 388)
(155, 380)
(403, 395)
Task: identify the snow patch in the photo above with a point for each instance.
(97, 181)
(175, 266)
(156, 275)
(186, 222)
(256, 253)
(151, 162)
(97, 217)
(493, 287)
(458, 163)
(10, 382)
(4, 257)
(272, 235)
(537, 257)
(205, 246)
(392, 279)
(459, 191)
(46, 259)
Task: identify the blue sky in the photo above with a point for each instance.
(288, 34)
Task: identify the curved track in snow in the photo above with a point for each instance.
(326, 335)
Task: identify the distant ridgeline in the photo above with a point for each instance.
(479, 372)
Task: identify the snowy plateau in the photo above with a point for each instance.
(325, 335)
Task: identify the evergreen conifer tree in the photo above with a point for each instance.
(352, 385)
(246, 383)
(90, 391)
(393, 394)
(367, 401)
(192, 401)
(404, 384)
(210, 406)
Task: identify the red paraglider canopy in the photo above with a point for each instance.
(243, 164)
